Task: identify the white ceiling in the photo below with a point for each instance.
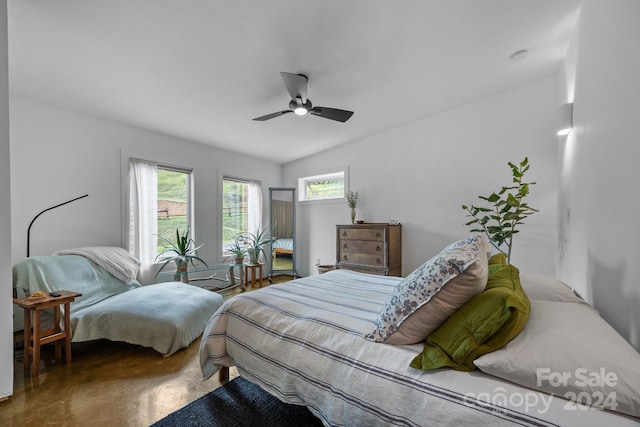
(202, 69)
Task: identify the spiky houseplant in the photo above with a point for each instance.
(256, 242)
(238, 249)
(182, 252)
(508, 210)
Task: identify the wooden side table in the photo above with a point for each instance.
(34, 339)
(252, 268)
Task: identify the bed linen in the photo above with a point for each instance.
(302, 341)
(282, 246)
(164, 316)
(116, 261)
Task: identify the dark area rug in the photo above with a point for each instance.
(240, 403)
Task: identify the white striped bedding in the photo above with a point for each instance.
(283, 244)
(302, 341)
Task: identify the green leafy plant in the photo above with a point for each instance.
(352, 199)
(182, 252)
(508, 210)
(238, 249)
(256, 241)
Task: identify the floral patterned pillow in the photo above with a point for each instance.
(433, 292)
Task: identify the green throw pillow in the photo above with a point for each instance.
(498, 259)
(484, 324)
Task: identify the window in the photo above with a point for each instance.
(159, 201)
(322, 186)
(241, 209)
(174, 188)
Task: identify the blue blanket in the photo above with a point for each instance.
(165, 316)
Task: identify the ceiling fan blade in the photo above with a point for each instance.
(272, 115)
(296, 84)
(332, 113)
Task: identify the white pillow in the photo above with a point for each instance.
(117, 261)
(545, 288)
(568, 350)
(433, 292)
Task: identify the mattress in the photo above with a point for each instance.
(302, 341)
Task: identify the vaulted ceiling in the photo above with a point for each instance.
(201, 70)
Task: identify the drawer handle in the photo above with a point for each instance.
(378, 261)
(344, 234)
(378, 248)
(344, 246)
(377, 234)
(344, 257)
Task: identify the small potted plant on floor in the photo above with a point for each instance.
(182, 252)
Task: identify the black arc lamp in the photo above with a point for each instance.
(48, 209)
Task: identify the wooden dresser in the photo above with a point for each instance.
(374, 248)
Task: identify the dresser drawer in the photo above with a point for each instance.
(361, 258)
(374, 234)
(363, 246)
(368, 270)
(369, 248)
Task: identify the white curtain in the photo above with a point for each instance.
(255, 207)
(143, 206)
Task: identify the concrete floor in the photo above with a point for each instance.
(107, 384)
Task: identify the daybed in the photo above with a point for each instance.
(310, 342)
(164, 316)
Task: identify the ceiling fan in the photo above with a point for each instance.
(296, 84)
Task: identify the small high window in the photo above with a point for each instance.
(322, 186)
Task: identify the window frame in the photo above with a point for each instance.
(190, 195)
(301, 186)
(223, 255)
(126, 154)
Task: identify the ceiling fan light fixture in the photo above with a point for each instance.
(296, 85)
(299, 108)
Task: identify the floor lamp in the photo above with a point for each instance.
(48, 209)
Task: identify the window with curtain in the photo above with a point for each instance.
(241, 209)
(159, 202)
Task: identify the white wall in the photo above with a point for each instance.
(599, 200)
(6, 332)
(58, 155)
(422, 173)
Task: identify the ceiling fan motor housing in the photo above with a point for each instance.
(295, 104)
(296, 85)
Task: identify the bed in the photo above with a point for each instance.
(303, 342)
(282, 246)
(164, 316)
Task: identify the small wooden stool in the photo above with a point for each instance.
(252, 268)
(33, 340)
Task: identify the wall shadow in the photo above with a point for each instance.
(618, 307)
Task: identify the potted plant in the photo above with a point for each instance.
(182, 252)
(508, 210)
(238, 250)
(352, 201)
(256, 242)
